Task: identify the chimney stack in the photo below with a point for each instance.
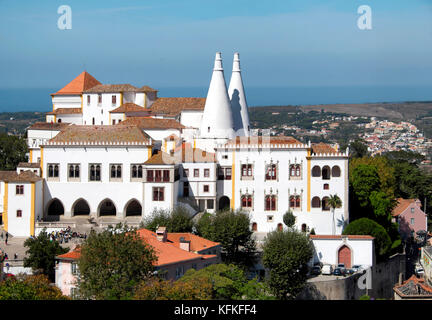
(184, 244)
(161, 234)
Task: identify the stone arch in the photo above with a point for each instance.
(224, 203)
(133, 208)
(316, 202)
(325, 204)
(106, 208)
(80, 207)
(55, 208)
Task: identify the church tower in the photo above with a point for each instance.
(237, 97)
(217, 120)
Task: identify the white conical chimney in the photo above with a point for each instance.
(217, 119)
(237, 97)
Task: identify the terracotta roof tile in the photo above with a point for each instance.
(127, 107)
(160, 158)
(402, 205)
(413, 287)
(152, 123)
(147, 89)
(322, 148)
(174, 106)
(71, 255)
(66, 111)
(78, 85)
(13, 176)
(196, 243)
(112, 88)
(33, 165)
(55, 126)
(101, 135)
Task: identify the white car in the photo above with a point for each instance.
(327, 269)
(357, 268)
(419, 271)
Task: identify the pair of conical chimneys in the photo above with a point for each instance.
(226, 111)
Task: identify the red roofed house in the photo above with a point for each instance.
(176, 253)
(410, 217)
(413, 289)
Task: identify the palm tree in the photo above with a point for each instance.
(334, 202)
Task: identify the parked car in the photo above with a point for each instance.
(327, 269)
(350, 271)
(339, 272)
(342, 266)
(419, 271)
(357, 267)
(316, 270)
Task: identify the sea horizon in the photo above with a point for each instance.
(39, 99)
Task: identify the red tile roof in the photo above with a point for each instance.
(350, 237)
(166, 252)
(413, 287)
(71, 255)
(55, 126)
(108, 134)
(127, 107)
(152, 123)
(196, 243)
(260, 140)
(66, 111)
(320, 148)
(402, 205)
(78, 85)
(13, 176)
(33, 165)
(174, 106)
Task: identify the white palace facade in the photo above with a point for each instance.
(119, 152)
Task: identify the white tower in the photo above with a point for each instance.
(217, 121)
(237, 97)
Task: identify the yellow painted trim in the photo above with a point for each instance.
(308, 158)
(121, 98)
(32, 212)
(5, 207)
(55, 118)
(233, 181)
(165, 146)
(145, 100)
(124, 116)
(149, 152)
(110, 122)
(31, 155)
(81, 103)
(41, 162)
(194, 144)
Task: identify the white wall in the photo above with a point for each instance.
(326, 251)
(19, 227)
(66, 101)
(70, 118)
(191, 118)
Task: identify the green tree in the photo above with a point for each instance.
(176, 220)
(41, 254)
(364, 180)
(113, 262)
(289, 219)
(358, 149)
(365, 226)
(34, 287)
(13, 150)
(334, 202)
(382, 207)
(232, 230)
(286, 254)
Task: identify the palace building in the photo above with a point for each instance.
(119, 152)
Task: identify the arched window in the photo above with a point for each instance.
(298, 201)
(292, 171)
(292, 201)
(298, 170)
(303, 227)
(325, 204)
(254, 226)
(98, 172)
(336, 171)
(140, 172)
(56, 171)
(316, 202)
(50, 171)
(326, 172)
(316, 171)
(271, 172)
(246, 201)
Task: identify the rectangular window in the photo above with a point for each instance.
(73, 171)
(412, 210)
(74, 268)
(114, 99)
(227, 173)
(19, 213)
(166, 175)
(95, 172)
(196, 173)
(185, 173)
(206, 188)
(115, 171)
(88, 99)
(150, 175)
(99, 98)
(158, 193)
(210, 204)
(19, 189)
(53, 170)
(158, 175)
(412, 221)
(206, 173)
(113, 122)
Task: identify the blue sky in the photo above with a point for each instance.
(173, 42)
